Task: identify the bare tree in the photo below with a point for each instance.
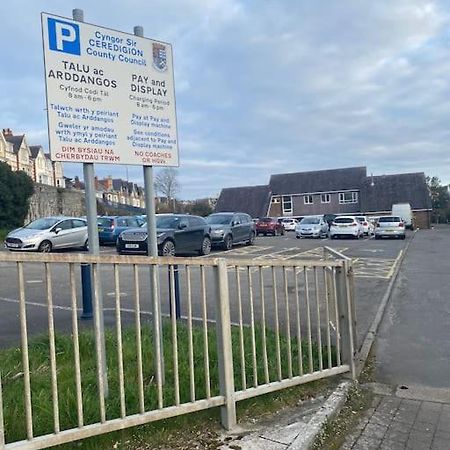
(166, 183)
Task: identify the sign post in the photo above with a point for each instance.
(111, 100)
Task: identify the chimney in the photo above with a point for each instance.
(7, 132)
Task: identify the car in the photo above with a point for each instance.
(269, 225)
(49, 233)
(110, 227)
(368, 227)
(390, 226)
(175, 233)
(289, 224)
(312, 226)
(229, 228)
(346, 226)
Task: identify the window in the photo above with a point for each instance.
(287, 204)
(65, 225)
(308, 199)
(275, 199)
(121, 223)
(325, 198)
(348, 197)
(77, 223)
(132, 222)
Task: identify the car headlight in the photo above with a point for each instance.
(220, 231)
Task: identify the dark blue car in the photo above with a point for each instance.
(109, 227)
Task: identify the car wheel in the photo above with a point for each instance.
(377, 237)
(251, 241)
(297, 236)
(403, 237)
(45, 247)
(86, 245)
(206, 246)
(228, 242)
(168, 248)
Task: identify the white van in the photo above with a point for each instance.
(404, 211)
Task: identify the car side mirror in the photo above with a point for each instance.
(57, 230)
(182, 226)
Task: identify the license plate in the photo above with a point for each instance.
(131, 245)
(13, 245)
(344, 226)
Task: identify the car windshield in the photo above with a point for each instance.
(389, 219)
(42, 224)
(219, 219)
(310, 221)
(167, 222)
(344, 220)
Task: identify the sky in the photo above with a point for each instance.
(267, 86)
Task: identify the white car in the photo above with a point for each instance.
(368, 226)
(390, 226)
(289, 224)
(346, 226)
(49, 233)
(312, 226)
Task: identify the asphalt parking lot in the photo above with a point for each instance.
(374, 263)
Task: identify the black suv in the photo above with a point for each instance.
(228, 228)
(176, 233)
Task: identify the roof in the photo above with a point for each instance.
(379, 193)
(318, 181)
(253, 200)
(34, 149)
(16, 141)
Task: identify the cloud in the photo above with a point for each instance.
(274, 86)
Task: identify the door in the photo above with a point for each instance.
(198, 230)
(236, 226)
(183, 237)
(65, 236)
(79, 232)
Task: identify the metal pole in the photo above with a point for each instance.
(94, 246)
(152, 250)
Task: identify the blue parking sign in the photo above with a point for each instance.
(63, 36)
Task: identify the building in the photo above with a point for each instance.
(15, 151)
(335, 191)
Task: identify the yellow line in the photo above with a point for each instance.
(394, 266)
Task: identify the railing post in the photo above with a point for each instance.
(224, 346)
(346, 324)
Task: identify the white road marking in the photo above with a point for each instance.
(113, 294)
(34, 281)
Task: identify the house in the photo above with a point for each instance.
(40, 168)
(334, 191)
(15, 151)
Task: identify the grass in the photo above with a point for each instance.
(3, 234)
(42, 403)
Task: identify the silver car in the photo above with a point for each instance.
(312, 226)
(390, 226)
(49, 233)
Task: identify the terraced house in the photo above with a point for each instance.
(336, 191)
(15, 151)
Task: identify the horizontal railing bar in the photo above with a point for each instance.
(290, 382)
(161, 261)
(50, 440)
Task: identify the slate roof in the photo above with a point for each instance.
(390, 189)
(34, 150)
(318, 181)
(253, 200)
(16, 141)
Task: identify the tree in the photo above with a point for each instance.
(16, 188)
(440, 198)
(166, 183)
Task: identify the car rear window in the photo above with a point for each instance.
(343, 220)
(266, 220)
(104, 222)
(389, 219)
(310, 220)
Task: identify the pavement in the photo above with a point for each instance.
(411, 408)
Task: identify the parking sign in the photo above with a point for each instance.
(110, 95)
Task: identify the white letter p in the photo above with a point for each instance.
(64, 33)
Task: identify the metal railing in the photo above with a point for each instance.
(247, 328)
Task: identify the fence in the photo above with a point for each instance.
(248, 327)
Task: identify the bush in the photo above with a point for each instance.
(16, 188)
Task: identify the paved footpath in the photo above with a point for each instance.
(413, 356)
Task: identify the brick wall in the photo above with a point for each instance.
(422, 219)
